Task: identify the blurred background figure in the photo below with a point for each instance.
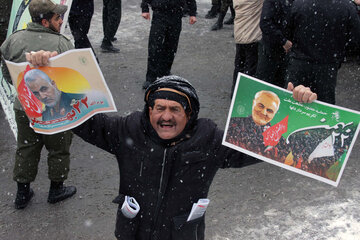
(111, 21)
(80, 16)
(319, 31)
(215, 9)
(225, 4)
(274, 46)
(247, 35)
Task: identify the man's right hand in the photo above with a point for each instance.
(40, 58)
(146, 15)
(302, 94)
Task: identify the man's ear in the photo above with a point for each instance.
(45, 23)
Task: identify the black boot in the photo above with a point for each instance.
(107, 46)
(213, 12)
(219, 23)
(230, 21)
(58, 192)
(23, 195)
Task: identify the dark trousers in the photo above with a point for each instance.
(111, 18)
(163, 42)
(272, 65)
(246, 58)
(79, 21)
(29, 145)
(321, 78)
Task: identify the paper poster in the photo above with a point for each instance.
(312, 139)
(64, 94)
(19, 18)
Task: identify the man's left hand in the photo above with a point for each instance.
(302, 94)
(192, 20)
(40, 58)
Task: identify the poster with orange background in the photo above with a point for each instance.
(63, 94)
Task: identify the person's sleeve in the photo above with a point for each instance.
(101, 131)
(145, 6)
(267, 23)
(229, 158)
(192, 7)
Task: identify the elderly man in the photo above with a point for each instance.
(57, 103)
(41, 33)
(167, 158)
(265, 106)
(248, 132)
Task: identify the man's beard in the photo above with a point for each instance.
(52, 27)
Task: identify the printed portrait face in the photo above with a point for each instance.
(42, 87)
(168, 118)
(265, 106)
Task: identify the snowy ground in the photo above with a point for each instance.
(259, 202)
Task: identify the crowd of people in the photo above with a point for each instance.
(278, 41)
(167, 157)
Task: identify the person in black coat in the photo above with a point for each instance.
(167, 158)
(80, 15)
(275, 45)
(319, 31)
(111, 20)
(164, 34)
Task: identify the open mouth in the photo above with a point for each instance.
(166, 125)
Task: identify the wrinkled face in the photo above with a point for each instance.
(47, 93)
(168, 118)
(55, 23)
(264, 109)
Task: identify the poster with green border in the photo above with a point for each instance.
(19, 18)
(312, 139)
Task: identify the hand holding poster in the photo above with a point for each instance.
(63, 94)
(19, 18)
(311, 139)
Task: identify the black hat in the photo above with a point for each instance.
(174, 88)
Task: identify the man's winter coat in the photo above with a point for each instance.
(320, 29)
(273, 23)
(246, 22)
(169, 6)
(165, 177)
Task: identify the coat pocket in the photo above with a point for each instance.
(125, 228)
(192, 230)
